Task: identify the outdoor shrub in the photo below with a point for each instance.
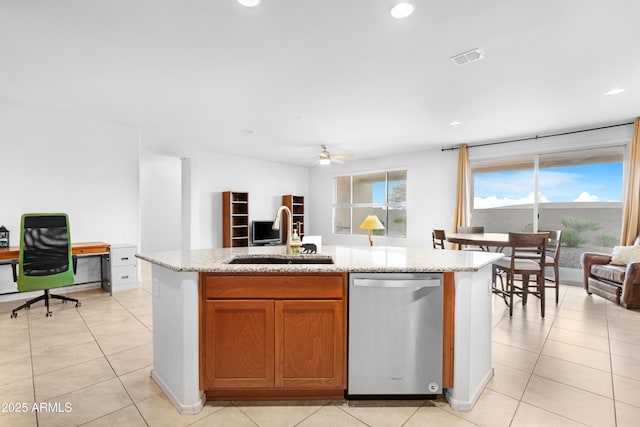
(571, 235)
(572, 239)
(606, 240)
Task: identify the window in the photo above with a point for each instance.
(578, 192)
(383, 194)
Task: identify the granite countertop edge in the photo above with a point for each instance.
(347, 260)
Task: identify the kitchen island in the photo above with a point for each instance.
(191, 287)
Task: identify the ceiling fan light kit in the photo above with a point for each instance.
(325, 158)
(249, 3)
(402, 10)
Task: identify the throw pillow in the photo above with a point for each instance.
(623, 255)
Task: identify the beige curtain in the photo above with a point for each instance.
(631, 206)
(460, 216)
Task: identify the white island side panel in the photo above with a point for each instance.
(175, 338)
(472, 339)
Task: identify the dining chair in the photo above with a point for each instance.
(438, 237)
(472, 230)
(552, 258)
(528, 259)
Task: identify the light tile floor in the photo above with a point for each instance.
(90, 366)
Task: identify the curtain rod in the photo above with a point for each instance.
(538, 137)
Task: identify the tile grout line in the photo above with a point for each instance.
(112, 368)
(233, 405)
(613, 388)
(413, 414)
(546, 337)
(33, 373)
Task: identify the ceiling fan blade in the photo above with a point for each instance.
(325, 157)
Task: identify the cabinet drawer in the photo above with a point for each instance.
(125, 274)
(123, 256)
(276, 286)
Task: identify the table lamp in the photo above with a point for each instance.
(371, 223)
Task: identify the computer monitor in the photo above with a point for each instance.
(262, 233)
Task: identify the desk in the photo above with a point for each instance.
(497, 240)
(83, 249)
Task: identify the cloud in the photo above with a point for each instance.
(494, 202)
(586, 197)
(558, 186)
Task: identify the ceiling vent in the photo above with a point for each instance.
(466, 57)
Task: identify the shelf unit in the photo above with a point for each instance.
(235, 219)
(296, 205)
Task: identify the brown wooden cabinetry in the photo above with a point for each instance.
(296, 205)
(235, 219)
(309, 341)
(273, 335)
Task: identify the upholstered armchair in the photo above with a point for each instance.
(612, 276)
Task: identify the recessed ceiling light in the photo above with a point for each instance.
(615, 91)
(455, 123)
(249, 3)
(401, 10)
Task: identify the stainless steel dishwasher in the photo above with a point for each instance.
(395, 334)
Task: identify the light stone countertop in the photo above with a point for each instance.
(351, 259)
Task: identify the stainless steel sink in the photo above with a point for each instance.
(282, 259)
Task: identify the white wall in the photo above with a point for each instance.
(431, 186)
(188, 152)
(160, 203)
(265, 181)
(60, 163)
(86, 168)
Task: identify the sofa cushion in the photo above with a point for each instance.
(608, 272)
(623, 255)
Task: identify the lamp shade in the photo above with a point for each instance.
(371, 222)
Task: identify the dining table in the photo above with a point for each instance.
(494, 242)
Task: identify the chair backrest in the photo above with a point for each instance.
(532, 246)
(471, 230)
(553, 245)
(438, 237)
(45, 259)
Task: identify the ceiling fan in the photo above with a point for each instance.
(326, 158)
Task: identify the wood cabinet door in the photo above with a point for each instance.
(239, 351)
(310, 343)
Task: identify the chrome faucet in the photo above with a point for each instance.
(276, 225)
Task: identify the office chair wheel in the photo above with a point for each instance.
(78, 304)
(49, 314)
(14, 315)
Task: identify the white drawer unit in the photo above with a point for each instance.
(124, 267)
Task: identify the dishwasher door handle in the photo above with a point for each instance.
(390, 283)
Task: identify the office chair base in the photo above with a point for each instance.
(45, 297)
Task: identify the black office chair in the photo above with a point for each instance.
(45, 259)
